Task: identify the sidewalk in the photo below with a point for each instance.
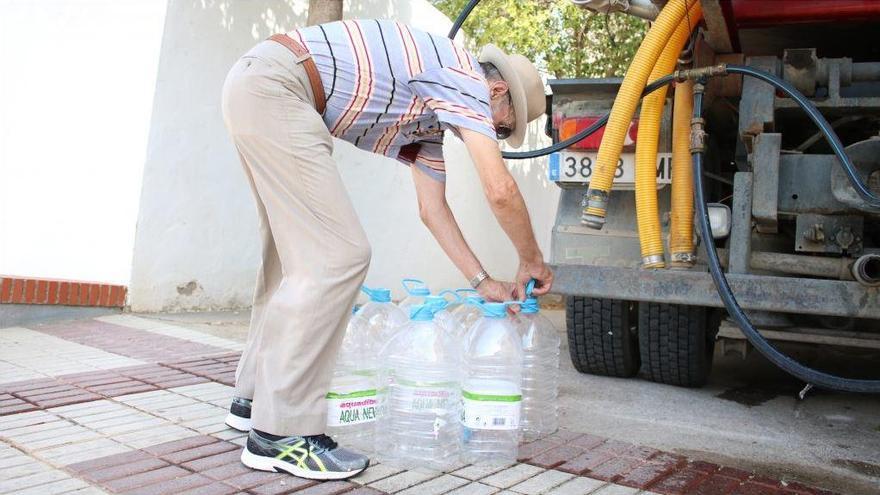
(123, 404)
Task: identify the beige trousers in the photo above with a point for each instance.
(314, 250)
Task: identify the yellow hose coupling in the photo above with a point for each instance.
(700, 73)
(595, 203)
(682, 260)
(653, 261)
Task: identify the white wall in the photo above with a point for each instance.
(76, 90)
(196, 242)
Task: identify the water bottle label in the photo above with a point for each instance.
(351, 408)
(435, 399)
(490, 412)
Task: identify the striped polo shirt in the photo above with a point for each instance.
(394, 90)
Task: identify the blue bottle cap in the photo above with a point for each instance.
(422, 312)
(529, 306)
(378, 294)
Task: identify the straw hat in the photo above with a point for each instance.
(526, 88)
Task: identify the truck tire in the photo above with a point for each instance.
(602, 338)
(676, 343)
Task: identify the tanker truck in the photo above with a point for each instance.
(790, 196)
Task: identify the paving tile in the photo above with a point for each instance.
(226, 471)
(403, 480)
(74, 453)
(474, 488)
(556, 456)
(542, 483)
(512, 475)
(646, 474)
(215, 488)
(375, 473)
(365, 490)
(199, 452)
(172, 486)
(578, 486)
(749, 488)
(477, 472)
(587, 441)
(143, 479)
(253, 478)
(65, 486)
(611, 489)
(104, 462)
(715, 485)
(284, 485)
(436, 486)
(531, 449)
(127, 469)
(614, 468)
(585, 462)
(205, 463)
(178, 445)
(32, 480)
(327, 488)
(680, 481)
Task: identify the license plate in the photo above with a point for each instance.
(577, 166)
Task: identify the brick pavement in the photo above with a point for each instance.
(136, 406)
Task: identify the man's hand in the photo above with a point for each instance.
(537, 270)
(495, 291)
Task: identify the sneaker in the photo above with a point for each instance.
(239, 416)
(316, 457)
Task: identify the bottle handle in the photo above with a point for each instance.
(412, 281)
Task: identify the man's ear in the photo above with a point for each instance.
(498, 88)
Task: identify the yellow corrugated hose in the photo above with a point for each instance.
(650, 232)
(681, 223)
(596, 199)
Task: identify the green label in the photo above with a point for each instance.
(352, 395)
(490, 398)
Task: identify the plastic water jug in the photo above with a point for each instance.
(468, 312)
(443, 316)
(416, 291)
(383, 317)
(540, 342)
(419, 375)
(491, 390)
(351, 400)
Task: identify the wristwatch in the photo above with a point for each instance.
(478, 278)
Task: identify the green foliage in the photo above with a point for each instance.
(561, 38)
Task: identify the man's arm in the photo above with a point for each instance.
(438, 217)
(509, 208)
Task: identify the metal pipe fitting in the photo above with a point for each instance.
(866, 270)
(700, 73)
(645, 9)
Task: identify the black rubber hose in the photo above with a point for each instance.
(462, 16)
(807, 374)
(848, 167)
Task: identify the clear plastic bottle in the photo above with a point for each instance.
(540, 340)
(491, 390)
(468, 313)
(419, 373)
(416, 291)
(383, 317)
(351, 400)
